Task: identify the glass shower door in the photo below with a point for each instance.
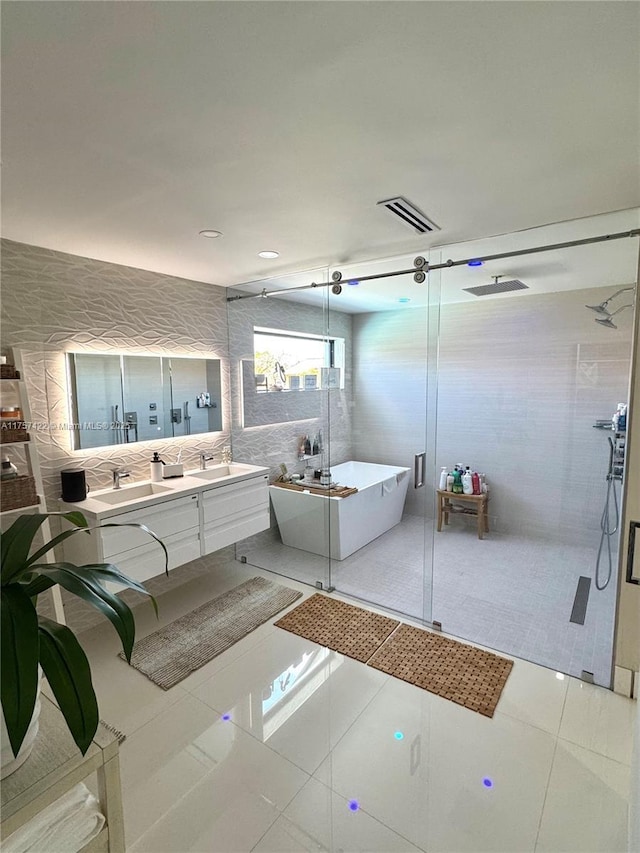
(385, 445)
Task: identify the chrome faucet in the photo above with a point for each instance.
(119, 474)
(204, 458)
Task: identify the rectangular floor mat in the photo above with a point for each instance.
(464, 674)
(339, 626)
(170, 654)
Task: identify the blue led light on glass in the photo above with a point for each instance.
(353, 282)
(226, 717)
(476, 262)
(353, 805)
(404, 299)
(487, 782)
(398, 736)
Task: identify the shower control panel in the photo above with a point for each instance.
(619, 442)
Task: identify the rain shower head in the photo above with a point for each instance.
(602, 307)
(607, 321)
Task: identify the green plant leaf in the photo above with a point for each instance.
(84, 585)
(68, 673)
(153, 536)
(57, 540)
(17, 540)
(111, 573)
(19, 659)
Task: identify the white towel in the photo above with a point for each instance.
(389, 485)
(63, 827)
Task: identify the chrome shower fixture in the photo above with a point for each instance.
(602, 307)
(607, 321)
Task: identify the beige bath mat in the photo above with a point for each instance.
(342, 627)
(170, 654)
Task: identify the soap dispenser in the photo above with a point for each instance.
(156, 468)
(9, 470)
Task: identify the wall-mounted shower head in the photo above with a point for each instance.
(602, 307)
(607, 321)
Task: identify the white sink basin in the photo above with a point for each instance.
(131, 493)
(218, 471)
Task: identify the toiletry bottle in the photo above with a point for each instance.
(467, 485)
(315, 450)
(475, 482)
(156, 468)
(485, 485)
(8, 470)
(457, 482)
(443, 480)
(307, 446)
(449, 482)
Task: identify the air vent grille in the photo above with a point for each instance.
(409, 214)
(497, 287)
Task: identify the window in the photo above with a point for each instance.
(296, 361)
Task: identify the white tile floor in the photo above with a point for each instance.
(311, 732)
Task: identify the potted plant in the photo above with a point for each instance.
(30, 641)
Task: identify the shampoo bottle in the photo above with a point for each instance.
(467, 485)
(449, 482)
(457, 482)
(443, 480)
(475, 482)
(156, 468)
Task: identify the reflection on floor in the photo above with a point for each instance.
(322, 753)
(510, 593)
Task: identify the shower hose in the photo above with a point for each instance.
(607, 531)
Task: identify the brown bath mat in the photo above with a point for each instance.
(468, 676)
(170, 654)
(342, 627)
(465, 675)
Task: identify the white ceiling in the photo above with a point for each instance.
(129, 127)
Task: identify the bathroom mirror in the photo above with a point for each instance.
(120, 399)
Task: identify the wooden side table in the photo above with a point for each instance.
(54, 767)
(478, 507)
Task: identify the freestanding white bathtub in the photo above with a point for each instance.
(337, 527)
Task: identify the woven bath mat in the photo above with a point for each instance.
(172, 653)
(342, 627)
(465, 675)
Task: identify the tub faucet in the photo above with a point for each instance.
(204, 458)
(119, 474)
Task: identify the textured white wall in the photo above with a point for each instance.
(55, 302)
(521, 380)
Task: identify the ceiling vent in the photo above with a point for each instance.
(409, 214)
(497, 287)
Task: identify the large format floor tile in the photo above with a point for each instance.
(184, 774)
(318, 819)
(586, 805)
(442, 776)
(287, 687)
(599, 720)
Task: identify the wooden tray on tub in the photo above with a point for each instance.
(335, 492)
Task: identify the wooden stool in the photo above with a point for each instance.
(479, 506)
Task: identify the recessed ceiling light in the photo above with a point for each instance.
(211, 234)
(269, 254)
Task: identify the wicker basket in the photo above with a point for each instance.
(11, 431)
(21, 491)
(8, 371)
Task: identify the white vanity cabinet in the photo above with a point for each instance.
(231, 513)
(133, 551)
(197, 517)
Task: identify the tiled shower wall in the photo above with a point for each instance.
(521, 380)
(55, 302)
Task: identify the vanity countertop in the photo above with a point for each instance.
(105, 503)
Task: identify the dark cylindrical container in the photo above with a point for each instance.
(74, 485)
